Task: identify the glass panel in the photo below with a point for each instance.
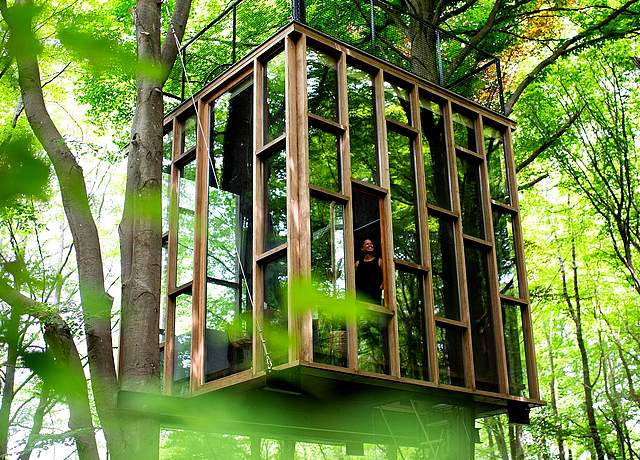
(186, 222)
(434, 148)
(515, 350)
(450, 362)
(275, 193)
(362, 126)
(182, 344)
(230, 235)
(189, 134)
(324, 162)
(403, 198)
(464, 131)
(414, 357)
(470, 198)
(496, 162)
(373, 343)
(444, 273)
(327, 247)
(275, 311)
(366, 237)
(274, 99)
(322, 84)
(482, 333)
(228, 330)
(330, 338)
(163, 292)
(167, 141)
(505, 254)
(396, 103)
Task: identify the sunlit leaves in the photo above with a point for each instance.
(22, 173)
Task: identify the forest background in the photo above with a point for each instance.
(75, 73)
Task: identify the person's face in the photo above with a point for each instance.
(367, 246)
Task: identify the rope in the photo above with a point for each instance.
(268, 360)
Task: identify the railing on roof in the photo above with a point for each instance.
(373, 26)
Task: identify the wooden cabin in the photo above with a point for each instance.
(277, 172)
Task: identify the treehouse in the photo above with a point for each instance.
(307, 159)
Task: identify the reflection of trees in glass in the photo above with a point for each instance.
(274, 109)
(449, 351)
(275, 192)
(444, 273)
(414, 360)
(186, 222)
(514, 347)
(505, 254)
(229, 234)
(362, 126)
(324, 163)
(189, 134)
(403, 197)
(163, 292)
(322, 84)
(494, 151)
(182, 344)
(464, 131)
(396, 103)
(275, 310)
(328, 275)
(434, 148)
(373, 343)
(482, 332)
(470, 199)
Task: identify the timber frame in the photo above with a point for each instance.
(294, 40)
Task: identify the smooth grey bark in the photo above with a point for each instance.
(12, 337)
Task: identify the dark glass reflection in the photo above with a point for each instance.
(186, 222)
(481, 315)
(505, 254)
(494, 151)
(324, 163)
(189, 134)
(464, 131)
(275, 197)
(230, 235)
(182, 344)
(362, 126)
(434, 148)
(414, 357)
(470, 198)
(373, 343)
(366, 229)
(274, 90)
(167, 141)
(163, 292)
(322, 84)
(403, 198)
(396, 103)
(449, 350)
(444, 273)
(275, 311)
(515, 350)
(330, 338)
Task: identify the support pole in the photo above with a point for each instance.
(299, 11)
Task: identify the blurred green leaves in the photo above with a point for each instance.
(22, 173)
(22, 42)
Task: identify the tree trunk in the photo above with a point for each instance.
(38, 416)
(552, 392)
(576, 316)
(12, 338)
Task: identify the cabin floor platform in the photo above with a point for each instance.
(306, 403)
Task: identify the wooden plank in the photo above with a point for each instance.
(326, 124)
(496, 309)
(400, 128)
(469, 370)
(386, 234)
(527, 323)
(198, 297)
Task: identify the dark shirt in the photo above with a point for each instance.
(368, 281)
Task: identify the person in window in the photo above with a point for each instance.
(369, 281)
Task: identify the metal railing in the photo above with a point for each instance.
(373, 26)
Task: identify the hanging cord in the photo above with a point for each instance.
(267, 356)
